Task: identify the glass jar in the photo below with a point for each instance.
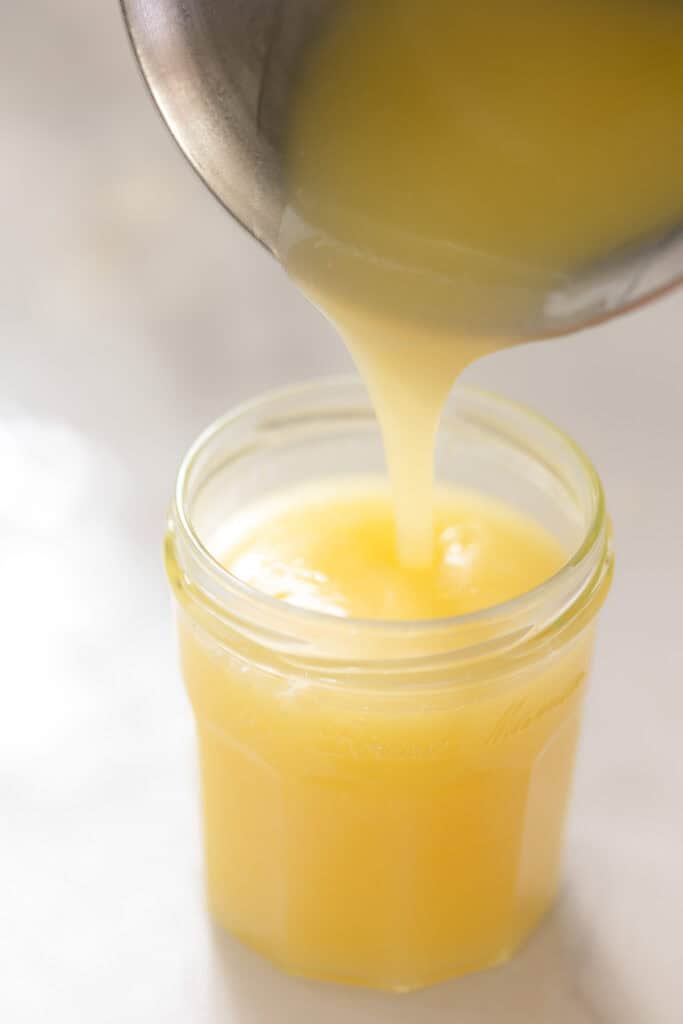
(384, 801)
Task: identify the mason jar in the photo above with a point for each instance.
(384, 801)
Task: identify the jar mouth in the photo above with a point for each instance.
(552, 602)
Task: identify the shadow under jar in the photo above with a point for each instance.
(384, 801)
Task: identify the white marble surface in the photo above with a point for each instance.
(131, 313)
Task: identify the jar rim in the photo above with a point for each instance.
(587, 563)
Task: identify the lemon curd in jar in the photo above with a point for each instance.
(386, 752)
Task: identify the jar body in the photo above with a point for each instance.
(389, 823)
(391, 843)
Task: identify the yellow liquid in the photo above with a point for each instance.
(384, 836)
(331, 548)
(447, 165)
(450, 163)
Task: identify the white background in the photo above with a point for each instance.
(132, 312)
